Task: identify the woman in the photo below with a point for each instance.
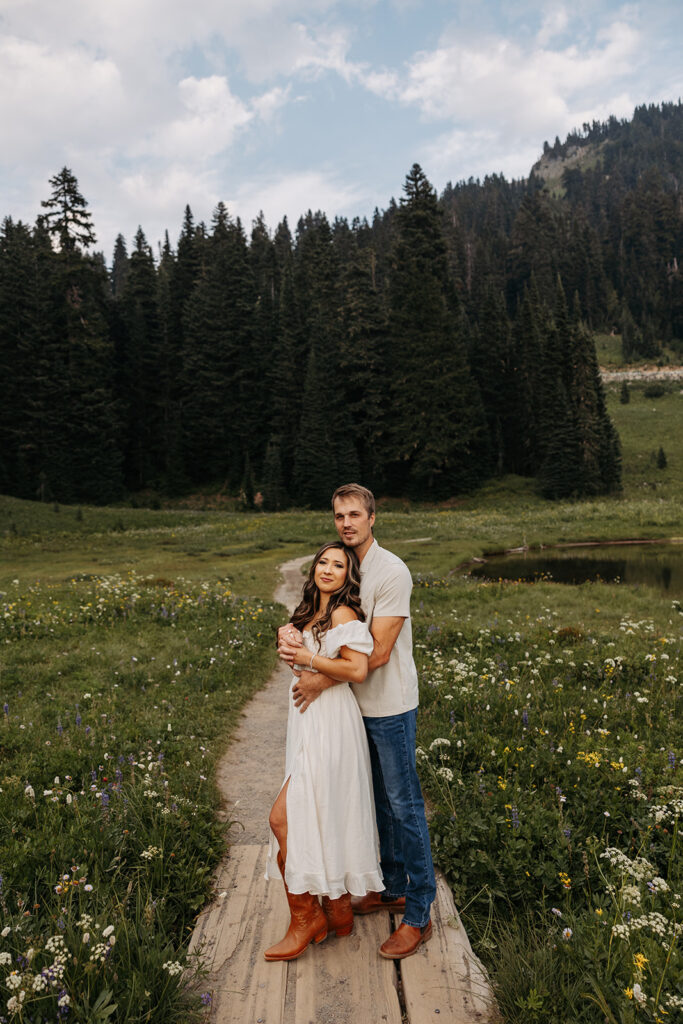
(323, 818)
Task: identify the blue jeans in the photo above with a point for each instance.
(405, 853)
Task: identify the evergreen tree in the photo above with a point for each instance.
(437, 437)
(77, 399)
(119, 267)
(491, 358)
(362, 363)
(218, 414)
(140, 359)
(68, 219)
(273, 486)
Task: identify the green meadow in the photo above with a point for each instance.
(550, 742)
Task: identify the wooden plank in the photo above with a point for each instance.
(346, 981)
(232, 935)
(444, 977)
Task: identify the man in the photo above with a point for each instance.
(388, 701)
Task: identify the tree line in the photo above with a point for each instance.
(447, 340)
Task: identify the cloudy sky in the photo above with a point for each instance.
(286, 105)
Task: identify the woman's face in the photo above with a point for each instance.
(330, 570)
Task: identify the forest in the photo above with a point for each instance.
(447, 340)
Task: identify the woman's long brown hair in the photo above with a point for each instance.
(348, 595)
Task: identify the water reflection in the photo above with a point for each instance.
(651, 565)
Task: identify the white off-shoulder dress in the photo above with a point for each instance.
(331, 832)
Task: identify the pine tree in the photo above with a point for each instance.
(68, 219)
(491, 357)
(119, 267)
(140, 360)
(217, 402)
(362, 363)
(437, 438)
(81, 357)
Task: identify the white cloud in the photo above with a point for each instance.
(498, 80)
(554, 24)
(210, 118)
(47, 97)
(295, 193)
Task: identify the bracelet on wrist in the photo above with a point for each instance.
(312, 660)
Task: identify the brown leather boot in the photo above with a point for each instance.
(405, 941)
(339, 915)
(373, 901)
(306, 923)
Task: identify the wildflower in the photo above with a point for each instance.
(554, 910)
(638, 994)
(173, 967)
(567, 934)
(639, 961)
(30, 792)
(108, 931)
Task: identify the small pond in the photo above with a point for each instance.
(650, 565)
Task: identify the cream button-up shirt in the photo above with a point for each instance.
(385, 589)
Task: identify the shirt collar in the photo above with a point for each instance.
(369, 557)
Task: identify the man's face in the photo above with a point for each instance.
(352, 521)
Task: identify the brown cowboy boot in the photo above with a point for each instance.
(307, 923)
(339, 915)
(373, 901)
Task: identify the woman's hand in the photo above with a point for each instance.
(289, 640)
(303, 657)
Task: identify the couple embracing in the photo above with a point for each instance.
(350, 773)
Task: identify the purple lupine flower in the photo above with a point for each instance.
(567, 833)
(514, 817)
(672, 759)
(5, 708)
(78, 718)
(525, 717)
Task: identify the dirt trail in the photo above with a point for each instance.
(250, 773)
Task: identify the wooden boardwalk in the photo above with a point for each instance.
(338, 981)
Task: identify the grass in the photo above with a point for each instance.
(118, 694)
(126, 634)
(610, 354)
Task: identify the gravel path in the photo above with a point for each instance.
(250, 773)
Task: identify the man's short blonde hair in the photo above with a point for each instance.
(357, 491)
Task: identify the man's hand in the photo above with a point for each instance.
(308, 688)
(288, 640)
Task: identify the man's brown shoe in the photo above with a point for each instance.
(405, 941)
(373, 901)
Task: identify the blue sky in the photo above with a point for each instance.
(284, 105)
